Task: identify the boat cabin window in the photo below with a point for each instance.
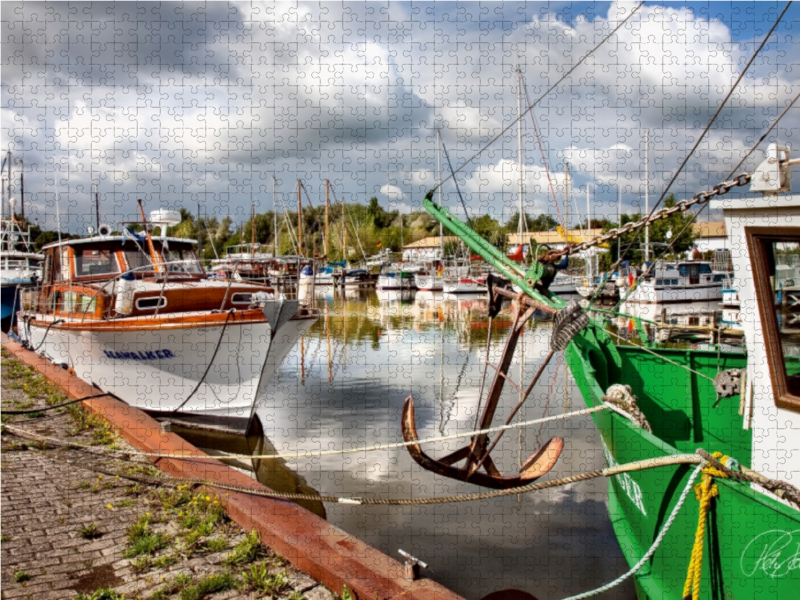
(241, 298)
(776, 266)
(137, 260)
(182, 260)
(91, 261)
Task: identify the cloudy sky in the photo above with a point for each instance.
(182, 104)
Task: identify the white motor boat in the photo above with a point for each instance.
(137, 317)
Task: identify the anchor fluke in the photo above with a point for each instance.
(539, 463)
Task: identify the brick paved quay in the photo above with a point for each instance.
(72, 529)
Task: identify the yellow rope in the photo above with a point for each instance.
(705, 492)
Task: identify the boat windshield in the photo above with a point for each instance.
(91, 261)
(182, 260)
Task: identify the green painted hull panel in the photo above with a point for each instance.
(752, 542)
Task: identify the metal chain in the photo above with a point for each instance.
(700, 198)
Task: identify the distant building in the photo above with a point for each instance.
(428, 248)
(710, 235)
(553, 239)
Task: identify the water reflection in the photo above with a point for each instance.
(344, 387)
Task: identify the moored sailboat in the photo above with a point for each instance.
(19, 265)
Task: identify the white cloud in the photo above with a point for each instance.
(392, 192)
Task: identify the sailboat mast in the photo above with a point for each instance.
(252, 230)
(327, 222)
(519, 152)
(566, 202)
(299, 219)
(274, 221)
(438, 181)
(647, 193)
(619, 223)
(588, 229)
(22, 189)
(344, 233)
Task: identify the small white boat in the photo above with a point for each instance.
(19, 266)
(324, 276)
(459, 280)
(682, 281)
(244, 262)
(430, 276)
(395, 279)
(138, 318)
(357, 279)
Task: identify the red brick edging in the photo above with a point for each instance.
(321, 550)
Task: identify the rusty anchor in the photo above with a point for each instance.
(567, 322)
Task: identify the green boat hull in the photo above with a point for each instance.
(752, 542)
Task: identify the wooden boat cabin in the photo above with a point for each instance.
(122, 276)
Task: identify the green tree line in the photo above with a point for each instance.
(379, 229)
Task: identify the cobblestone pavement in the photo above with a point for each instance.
(71, 528)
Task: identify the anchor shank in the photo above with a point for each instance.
(478, 444)
(513, 412)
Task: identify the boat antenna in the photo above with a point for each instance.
(540, 98)
(96, 206)
(58, 221)
(22, 188)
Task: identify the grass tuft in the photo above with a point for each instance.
(209, 585)
(21, 576)
(246, 551)
(258, 578)
(90, 532)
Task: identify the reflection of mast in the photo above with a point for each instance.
(302, 361)
(328, 339)
(442, 420)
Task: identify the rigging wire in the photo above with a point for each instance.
(544, 160)
(694, 216)
(706, 130)
(455, 181)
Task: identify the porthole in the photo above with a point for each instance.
(151, 303)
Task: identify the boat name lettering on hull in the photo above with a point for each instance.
(632, 489)
(775, 553)
(146, 355)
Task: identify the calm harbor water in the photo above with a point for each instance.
(344, 385)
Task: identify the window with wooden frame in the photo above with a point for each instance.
(775, 258)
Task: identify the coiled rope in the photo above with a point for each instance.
(705, 492)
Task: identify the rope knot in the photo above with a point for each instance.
(620, 396)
